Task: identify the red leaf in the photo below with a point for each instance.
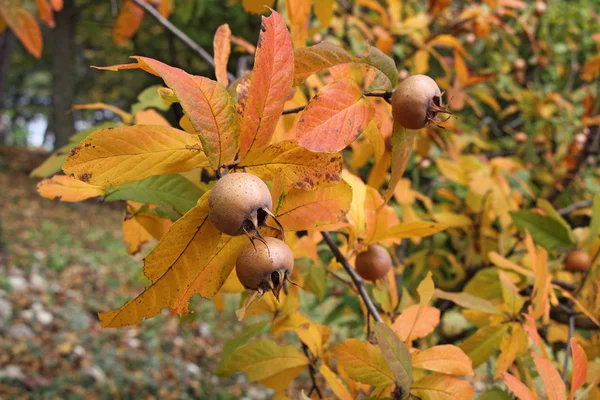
(128, 22)
(579, 367)
(517, 387)
(207, 103)
(24, 26)
(553, 384)
(222, 49)
(271, 83)
(334, 118)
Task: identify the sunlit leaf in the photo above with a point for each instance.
(222, 49)
(128, 22)
(313, 335)
(134, 235)
(364, 363)
(411, 229)
(267, 362)
(299, 167)
(270, 85)
(68, 189)
(442, 387)
(114, 156)
(334, 118)
(447, 359)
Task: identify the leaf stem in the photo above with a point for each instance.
(360, 287)
(293, 110)
(568, 348)
(196, 48)
(313, 372)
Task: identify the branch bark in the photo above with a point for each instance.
(195, 47)
(360, 287)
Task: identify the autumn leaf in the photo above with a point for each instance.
(270, 85)
(124, 115)
(425, 291)
(134, 235)
(266, 362)
(180, 257)
(68, 189)
(207, 103)
(364, 363)
(410, 229)
(222, 49)
(553, 384)
(45, 12)
(442, 387)
(308, 60)
(335, 383)
(512, 345)
(397, 356)
(468, 301)
(313, 335)
(128, 22)
(334, 117)
(580, 367)
(257, 6)
(299, 210)
(356, 215)
(402, 145)
(480, 346)
(299, 14)
(418, 326)
(114, 156)
(24, 26)
(517, 387)
(299, 167)
(447, 359)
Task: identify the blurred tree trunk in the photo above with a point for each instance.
(5, 45)
(63, 75)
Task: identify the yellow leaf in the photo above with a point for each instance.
(504, 263)
(411, 229)
(335, 383)
(542, 280)
(452, 171)
(480, 346)
(447, 359)
(68, 189)
(267, 362)
(150, 117)
(462, 73)
(313, 335)
(449, 41)
(512, 345)
(156, 226)
(257, 6)
(442, 387)
(453, 220)
(125, 116)
(300, 167)
(421, 325)
(425, 291)
(363, 363)
(356, 215)
(110, 157)
(222, 50)
(421, 61)
(324, 11)
(510, 293)
(298, 13)
(374, 5)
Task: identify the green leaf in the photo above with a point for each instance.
(544, 230)
(149, 98)
(552, 213)
(467, 300)
(483, 343)
(595, 223)
(396, 355)
(316, 280)
(240, 340)
(172, 189)
(495, 394)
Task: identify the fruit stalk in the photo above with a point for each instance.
(355, 278)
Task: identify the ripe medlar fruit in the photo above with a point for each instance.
(416, 101)
(374, 263)
(265, 265)
(577, 261)
(239, 203)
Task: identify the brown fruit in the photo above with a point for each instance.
(374, 263)
(520, 64)
(416, 101)
(265, 265)
(540, 7)
(239, 202)
(577, 261)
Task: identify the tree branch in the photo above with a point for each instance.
(196, 48)
(355, 278)
(575, 206)
(293, 110)
(312, 370)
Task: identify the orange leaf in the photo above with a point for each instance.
(45, 12)
(517, 387)
(150, 117)
(579, 367)
(57, 5)
(426, 323)
(461, 69)
(335, 383)
(128, 22)
(591, 69)
(68, 189)
(114, 156)
(442, 387)
(299, 210)
(421, 61)
(553, 383)
(447, 359)
(134, 235)
(207, 103)
(125, 116)
(299, 167)
(24, 26)
(334, 117)
(222, 49)
(270, 85)
(449, 41)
